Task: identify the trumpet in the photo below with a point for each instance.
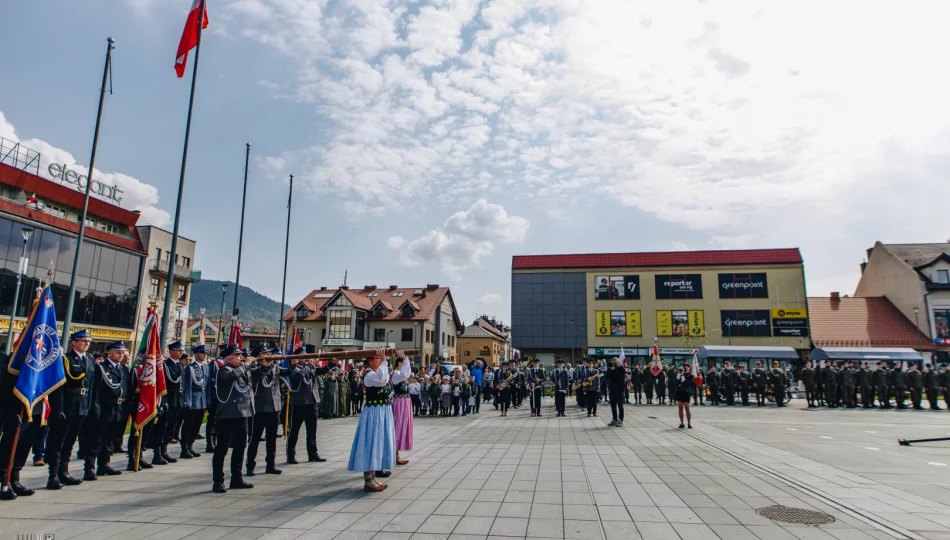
(504, 383)
(586, 382)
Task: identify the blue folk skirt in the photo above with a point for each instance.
(374, 444)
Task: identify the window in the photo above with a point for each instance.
(398, 293)
(373, 294)
(323, 333)
(407, 335)
(942, 325)
(158, 254)
(340, 324)
(186, 262)
(360, 332)
(303, 312)
(182, 292)
(443, 339)
(468, 353)
(156, 287)
(379, 334)
(485, 350)
(90, 222)
(943, 276)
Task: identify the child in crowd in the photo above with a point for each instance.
(414, 389)
(464, 394)
(446, 395)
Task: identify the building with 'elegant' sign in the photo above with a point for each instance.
(593, 304)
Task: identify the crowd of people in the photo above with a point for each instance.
(853, 384)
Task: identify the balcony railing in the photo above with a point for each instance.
(181, 271)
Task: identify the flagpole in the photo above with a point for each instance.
(166, 309)
(283, 289)
(138, 447)
(110, 44)
(237, 279)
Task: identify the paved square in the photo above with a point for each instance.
(486, 477)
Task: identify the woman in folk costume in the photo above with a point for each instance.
(402, 406)
(374, 443)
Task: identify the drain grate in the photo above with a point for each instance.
(800, 516)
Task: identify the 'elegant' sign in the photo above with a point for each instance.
(79, 181)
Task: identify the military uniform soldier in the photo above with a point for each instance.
(592, 391)
(729, 383)
(173, 401)
(931, 384)
(829, 382)
(713, 381)
(778, 381)
(146, 431)
(847, 385)
(10, 420)
(69, 406)
(535, 381)
(561, 383)
(304, 398)
(809, 380)
(195, 393)
(266, 380)
(898, 386)
(915, 382)
(744, 382)
(863, 380)
(637, 384)
(646, 380)
(760, 381)
(881, 381)
(235, 407)
(111, 380)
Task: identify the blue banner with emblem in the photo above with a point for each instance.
(37, 357)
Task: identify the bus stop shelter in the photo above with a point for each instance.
(866, 354)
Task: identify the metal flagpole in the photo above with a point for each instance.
(110, 45)
(283, 290)
(237, 279)
(166, 309)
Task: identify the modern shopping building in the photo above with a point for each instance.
(112, 260)
(406, 318)
(594, 304)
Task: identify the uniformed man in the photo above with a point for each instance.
(146, 432)
(915, 382)
(863, 381)
(778, 381)
(579, 378)
(195, 403)
(265, 380)
(518, 386)
(881, 380)
(172, 403)
(729, 383)
(235, 407)
(535, 381)
(69, 405)
(828, 378)
(10, 420)
(932, 385)
(304, 399)
(898, 385)
(760, 378)
(809, 380)
(713, 381)
(744, 382)
(637, 384)
(847, 385)
(113, 393)
(561, 384)
(945, 384)
(646, 379)
(615, 379)
(592, 390)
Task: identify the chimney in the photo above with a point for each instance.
(344, 287)
(369, 287)
(835, 296)
(432, 286)
(864, 265)
(323, 288)
(393, 287)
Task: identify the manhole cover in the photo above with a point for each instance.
(795, 515)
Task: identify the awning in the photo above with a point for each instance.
(840, 353)
(765, 353)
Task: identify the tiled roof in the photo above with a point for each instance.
(475, 331)
(870, 321)
(918, 255)
(425, 303)
(657, 259)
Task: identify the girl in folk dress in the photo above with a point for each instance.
(402, 406)
(374, 443)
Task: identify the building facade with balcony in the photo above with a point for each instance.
(344, 319)
(487, 339)
(156, 284)
(111, 264)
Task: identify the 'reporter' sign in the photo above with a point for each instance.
(679, 286)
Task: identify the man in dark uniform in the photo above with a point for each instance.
(133, 403)
(10, 420)
(945, 384)
(671, 383)
(592, 390)
(265, 381)
(235, 407)
(729, 383)
(744, 382)
(897, 383)
(637, 384)
(194, 384)
(881, 380)
(580, 375)
(809, 380)
(932, 386)
(164, 430)
(561, 383)
(828, 379)
(535, 381)
(616, 380)
(915, 382)
(304, 398)
(760, 378)
(778, 381)
(847, 385)
(98, 443)
(69, 405)
(646, 379)
(863, 380)
(518, 386)
(713, 381)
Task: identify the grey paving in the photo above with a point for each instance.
(486, 477)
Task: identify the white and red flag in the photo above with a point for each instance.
(190, 35)
(697, 376)
(655, 369)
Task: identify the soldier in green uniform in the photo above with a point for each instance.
(915, 382)
(847, 385)
(744, 382)
(777, 383)
(729, 383)
(713, 381)
(897, 381)
(932, 386)
(863, 380)
(810, 380)
(828, 383)
(880, 379)
(760, 381)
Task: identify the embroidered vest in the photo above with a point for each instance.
(401, 389)
(376, 396)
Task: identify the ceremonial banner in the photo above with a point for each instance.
(150, 371)
(37, 356)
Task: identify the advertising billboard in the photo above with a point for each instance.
(679, 286)
(680, 323)
(617, 287)
(754, 285)
(746, 323)
(617, 323)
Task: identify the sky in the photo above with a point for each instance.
(431, 140)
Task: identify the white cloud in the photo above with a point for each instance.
(136, 195)
(464, 239)
(491, 299)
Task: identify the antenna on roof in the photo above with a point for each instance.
(345, 275)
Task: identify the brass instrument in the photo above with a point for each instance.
(504, 383)
(587, 382)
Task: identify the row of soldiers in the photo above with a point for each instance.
(240, 393)
(838, 384)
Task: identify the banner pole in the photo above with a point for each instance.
(138, 448)
(9, 472)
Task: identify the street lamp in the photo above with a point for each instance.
(917, 323)
(26, 232)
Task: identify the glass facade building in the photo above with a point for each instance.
(543, 306)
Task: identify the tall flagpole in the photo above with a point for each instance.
(237, 279)
(283, 289)
(110, 44)
(166, 307)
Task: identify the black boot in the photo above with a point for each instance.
(250, 471)
(158, 458)
(89, 473)
(106, 470)
(53, 481)
(191, 450)
(18, 488)
(271, 469)
(6, 494)
(238, 483)
(185, 454)
(65, 478)
(165, 455)
(218, 487)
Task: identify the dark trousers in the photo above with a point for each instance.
(28, 431)
(946, 396)
(648, 390)
(744, 392)
(101, 444)
(899, 396)
(39, 442)
(581, 402)
(504, 399)
(302, 415)
(62, 437)
(849, 397)
(778, 392)
(232, 435)
(478, 398)
(169, 422)
(810, 394)
(211, 425)
(616, 408)
(760, 396)
(638, 393)
(536, 400)
(730, 395)
(883, 396)
(714, 397)
(191, 425)
(593, 397)
(829, 395)
(134, 440)
(867, 397)
(263, 422)
(416, 403)
(559, 399)
(916, 396)
(932, 398)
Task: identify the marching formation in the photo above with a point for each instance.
(839, 384)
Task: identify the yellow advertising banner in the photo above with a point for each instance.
(633, 323)
(101, 333)
(790, 313)
(602, 323)
(697, 326)
(664, 323)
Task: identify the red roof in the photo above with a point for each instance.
(870, 321)
(427, 300)
(660, 258)
(134, 243)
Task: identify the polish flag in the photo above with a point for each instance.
(189, 37)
